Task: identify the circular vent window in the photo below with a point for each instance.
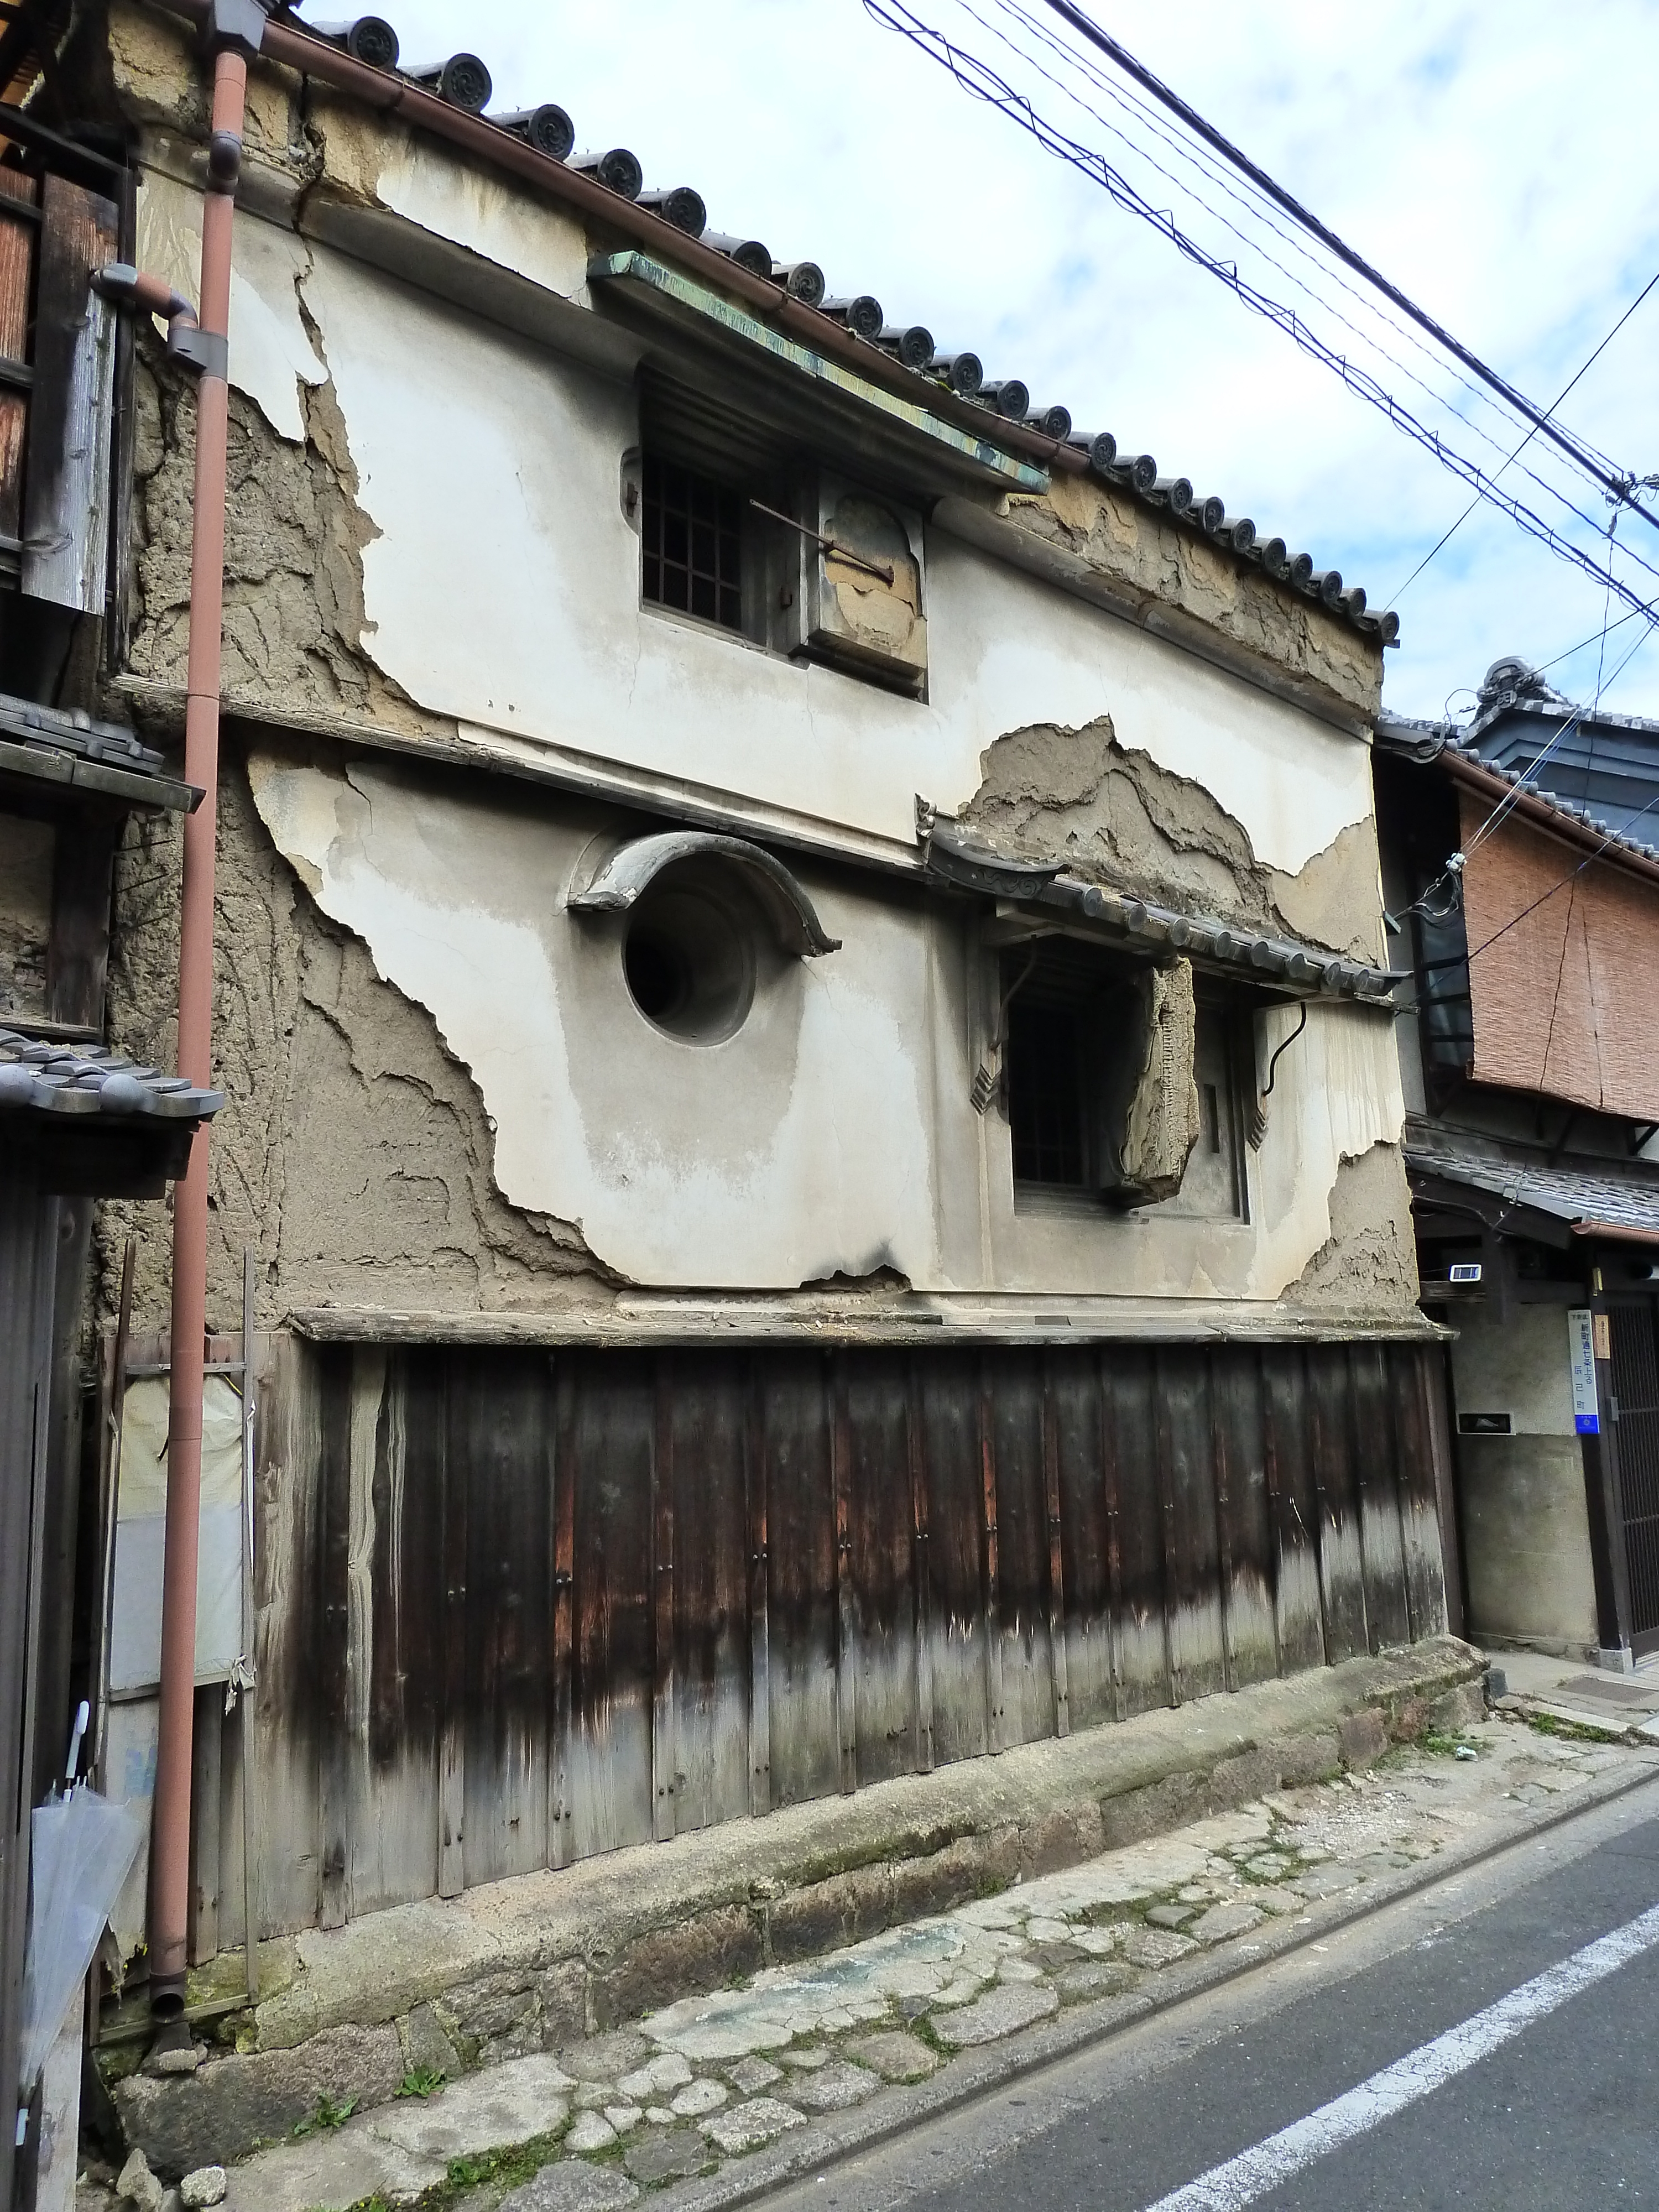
(689, 954)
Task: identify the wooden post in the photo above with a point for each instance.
(1219, 1438)
(1165, 1455)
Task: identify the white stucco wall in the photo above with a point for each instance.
(833, 1133)
(502, 588)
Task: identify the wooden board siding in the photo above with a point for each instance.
(516, 1608)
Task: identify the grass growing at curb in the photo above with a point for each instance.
(1573, 1731)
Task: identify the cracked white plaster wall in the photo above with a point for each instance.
(503, 591)
(796, 1148)
(270, 350)
(1336, 1093)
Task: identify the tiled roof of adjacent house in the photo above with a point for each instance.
(83, 1079)
(1426, 742)
(464, 82)
(1626, 1200)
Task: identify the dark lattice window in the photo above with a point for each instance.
(692, 544)
(1045, 1094)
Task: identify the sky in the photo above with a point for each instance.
(1494, 161)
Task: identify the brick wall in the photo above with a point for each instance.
(1566, 1002)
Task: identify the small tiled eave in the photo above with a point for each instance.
(93, 1122)
(48, 756)
(1550, 1203)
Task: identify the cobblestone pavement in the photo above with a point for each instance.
(715, 2077)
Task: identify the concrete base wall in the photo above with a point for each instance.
(1527, 1540)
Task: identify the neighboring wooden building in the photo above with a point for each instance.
(1530, 1059)
(809, 1072)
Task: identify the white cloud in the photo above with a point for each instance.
(1493, 161)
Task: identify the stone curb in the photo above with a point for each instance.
(543, 1961)
(895, 2110)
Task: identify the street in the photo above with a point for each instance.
(1560, 2114)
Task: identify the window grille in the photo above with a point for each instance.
(1045, 1095)
(692, 541)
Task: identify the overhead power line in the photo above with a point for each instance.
(1618, 487)
(978, 78)
(1527, 440)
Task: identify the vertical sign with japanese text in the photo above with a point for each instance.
(1581, 1348)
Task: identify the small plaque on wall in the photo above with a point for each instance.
(1485, 1424)
(1581, 1351)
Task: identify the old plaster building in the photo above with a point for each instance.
(803, 1008)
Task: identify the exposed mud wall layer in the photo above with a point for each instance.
(1120, 819)
(352, 1149)
(1157, 559)
(832, 1131)
(516, 1608)
(1369, 1263)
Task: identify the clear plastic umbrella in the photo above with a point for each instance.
(82, 1847)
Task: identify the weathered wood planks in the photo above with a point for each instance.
(562, 1601)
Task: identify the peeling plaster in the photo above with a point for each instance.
(794, 1149)
(271, 354)
(539, 631)
(833, 1133)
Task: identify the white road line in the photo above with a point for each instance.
(1241, 2180)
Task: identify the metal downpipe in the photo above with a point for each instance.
(169, 1883)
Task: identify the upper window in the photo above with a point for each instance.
(790, 557)
(691, 543)
(1120, 1084)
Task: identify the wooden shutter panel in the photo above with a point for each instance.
(66, 510)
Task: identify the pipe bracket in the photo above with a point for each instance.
(204, 351)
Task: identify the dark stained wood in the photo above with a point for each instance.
(760, 1620)
(841, 1476)
(563, 1567)
(760, 1634)
(611, 1722)
(724, 1582)
(1387, 1615)
(663, 1768)
(77, 951)
(500, 1424)
(1336, 1493)
(991, 1604)
(1300, 1591)
(66, 505)
(1148, 1652)
(206, 1808)
(1249, 1547)
(1199, 1591)
(1028, 1672)
(803, 1619)
(452, 1619)
(333, 1657)
(1073, 1391)
(874, 1387)
(916, 1440)
(1059, 1674)
(948, 1392)
(707, 1411)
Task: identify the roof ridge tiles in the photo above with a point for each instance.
(380, 56)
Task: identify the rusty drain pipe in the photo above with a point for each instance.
(232, 33)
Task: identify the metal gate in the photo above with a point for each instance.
(1634, 1358)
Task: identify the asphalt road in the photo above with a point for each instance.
(1562, 2115)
